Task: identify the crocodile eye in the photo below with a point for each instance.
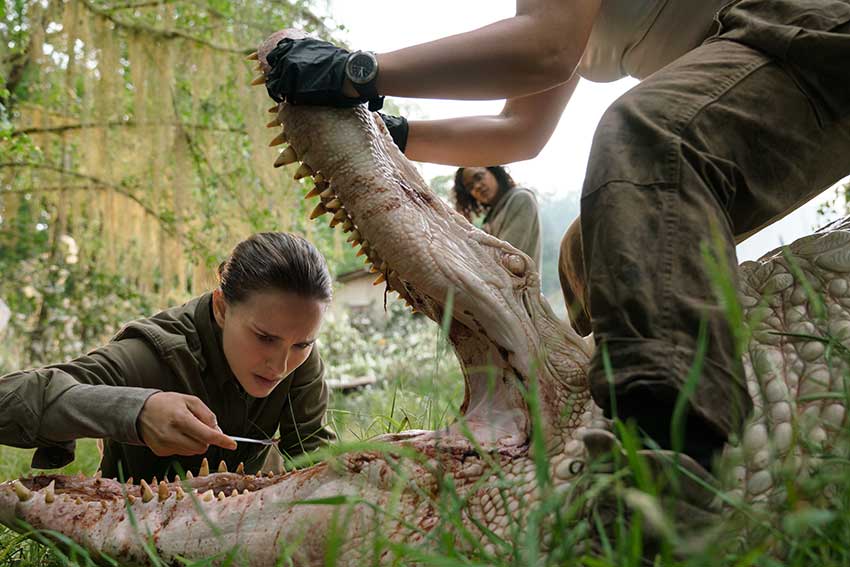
(514, 263)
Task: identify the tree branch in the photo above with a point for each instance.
(96, 183)
(157, 32)
(134, 5)
(115, 123)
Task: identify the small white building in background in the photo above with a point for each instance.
(356, 294)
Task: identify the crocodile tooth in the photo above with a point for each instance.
(221, 495)
(255, 56)
(131, 499)
(98, 474)
(208, 496)
(235, 492)
(189, 475)
(245, 491)
(347, 226)
(354, 237)
(178, 493)
(130, 482)
(339, 216)
(205, 468)
(147, 493)
(154, 482)
(222, 466)
(364, 248)
(78, 501)
(318, 211)
(278, 140)
(327, 194)
(303, 171)
(240, 468)
(274, 109)
(261, 80)
(314, 192)
(177, 479)
(22, 491)
(270, 474)
(286, 157)
(274, 123)
(380, 279)
(162, 492)
(373, 269)
(50, 492)
(333, 204)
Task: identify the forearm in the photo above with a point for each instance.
(48, 406)
(518, 133)
(531, 52)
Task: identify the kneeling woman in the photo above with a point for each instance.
(240, 360)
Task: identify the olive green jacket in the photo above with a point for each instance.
(101, 394)
(514, 219)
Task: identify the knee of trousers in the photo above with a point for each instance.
(571, 274)
(634, 142)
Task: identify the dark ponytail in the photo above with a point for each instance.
(278, 261)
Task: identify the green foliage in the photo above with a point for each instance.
(837, 204)
(129, 129)
(402, 355)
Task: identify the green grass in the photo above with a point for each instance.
(813, 529)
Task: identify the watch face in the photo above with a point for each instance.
(361, 68)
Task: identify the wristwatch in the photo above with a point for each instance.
(361, 68)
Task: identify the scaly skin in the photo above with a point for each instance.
(507, 340)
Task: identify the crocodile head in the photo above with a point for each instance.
(506, 336)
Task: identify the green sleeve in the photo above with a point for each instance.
(521, 227)
(302, 423)
(91, 396)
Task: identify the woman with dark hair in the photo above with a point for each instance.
(240, 359)
(511, 211)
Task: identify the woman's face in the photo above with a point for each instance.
(481, 184)
(267, 336)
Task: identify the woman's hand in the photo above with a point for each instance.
(177, 424)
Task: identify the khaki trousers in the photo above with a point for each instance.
(721, 142)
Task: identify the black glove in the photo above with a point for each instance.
(399, 129)
(308, 71)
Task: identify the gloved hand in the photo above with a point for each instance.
(308, 71)
(398, 128)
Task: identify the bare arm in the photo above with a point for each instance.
(535, 50)
(518, 133)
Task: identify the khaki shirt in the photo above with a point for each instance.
(179, 350)
(638, 37)
(514, 219)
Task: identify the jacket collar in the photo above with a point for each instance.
(212, 343)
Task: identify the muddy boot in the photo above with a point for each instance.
(679, 507)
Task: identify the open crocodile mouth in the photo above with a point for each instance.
(501, 328)
(380, 201)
